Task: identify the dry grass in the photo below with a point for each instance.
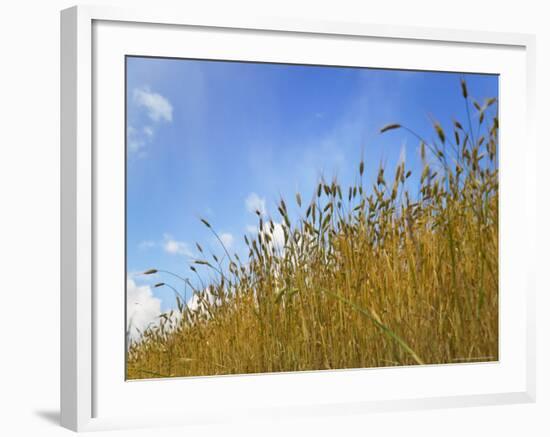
(369, 276)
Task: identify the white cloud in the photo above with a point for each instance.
(142, 308)
(158, 107)
(201, 302)
(277, 236)
(135, 140)
(175, 247)
(227, 239)
(255, 203)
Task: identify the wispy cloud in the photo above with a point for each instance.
(255, 203)
(175, 247)
(146, 244)
(148, 130)
(135, 140)
(227, 239)
(158, 107)
(172, 246)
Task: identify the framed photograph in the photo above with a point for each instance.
(265, 218)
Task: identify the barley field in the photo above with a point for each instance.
(379, 273)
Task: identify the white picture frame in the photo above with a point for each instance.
(92, 392)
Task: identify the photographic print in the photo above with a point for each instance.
(284, 218)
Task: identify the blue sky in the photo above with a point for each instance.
(219, 139)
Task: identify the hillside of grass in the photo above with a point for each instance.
(380, 273)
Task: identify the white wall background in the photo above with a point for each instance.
(29, 217)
